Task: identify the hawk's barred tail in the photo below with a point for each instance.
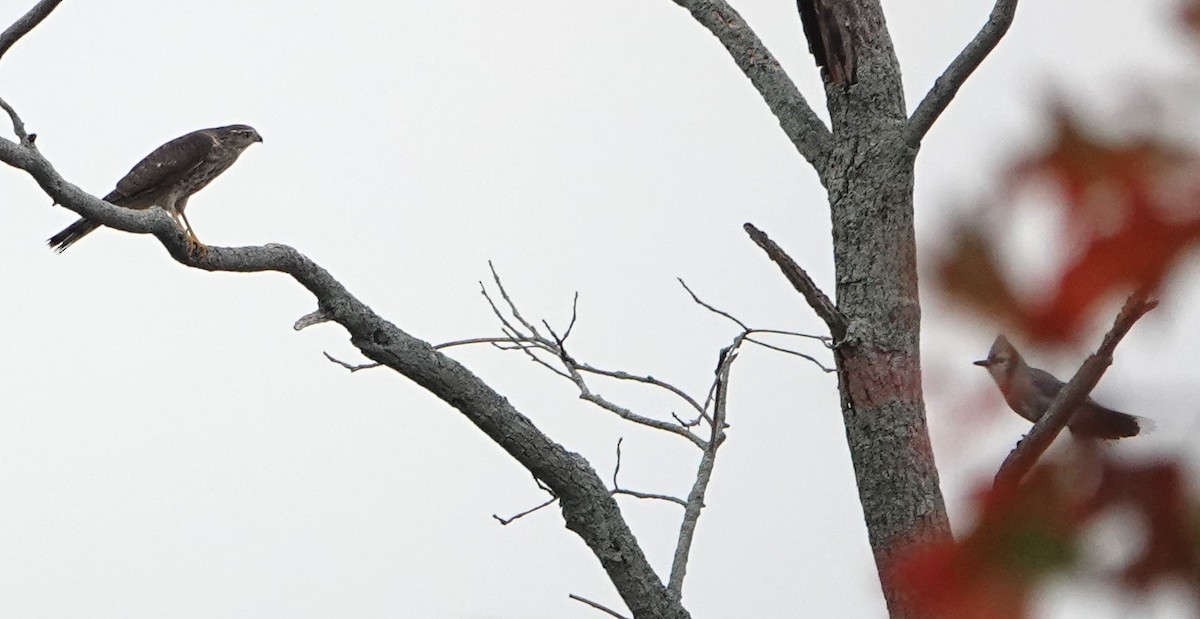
(61, 241)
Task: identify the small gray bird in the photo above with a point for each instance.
(169, 175)
(1029, 392)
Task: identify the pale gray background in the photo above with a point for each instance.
(170, 447)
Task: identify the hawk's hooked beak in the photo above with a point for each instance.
(983, 363)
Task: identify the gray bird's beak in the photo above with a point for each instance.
(983, 363)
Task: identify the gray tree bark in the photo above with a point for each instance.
(869, 179)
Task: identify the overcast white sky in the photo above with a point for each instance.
(169, 446)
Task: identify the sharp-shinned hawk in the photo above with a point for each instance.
(169, 175)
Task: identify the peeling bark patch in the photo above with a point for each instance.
(875, 379)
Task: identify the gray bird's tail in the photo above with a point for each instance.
(1095, 421)
(72, 233)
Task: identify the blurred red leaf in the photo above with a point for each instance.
(970, 275)
(1022, 535)
(1189, 13)
(1158, 494)
(1025, 533)
(1132, 210)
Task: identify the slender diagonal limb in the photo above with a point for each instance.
(18, 125)
(955, 75)
(600, 607)
(1026, 454)
(804, 284)
(803, 127)
(27, 22)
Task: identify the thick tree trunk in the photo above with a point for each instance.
(869, 178)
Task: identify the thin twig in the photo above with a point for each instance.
(649, 495)
(512, 307)
(617, 489)
(574, 316)
(804, 284)
(598, 607)
(789, 351)
(18, 125)
(485, 340)
(649, 380)
(624, 413)
(27, 22)
(538, 360)
(955, 75)
(506, 521)
(824, 339)
(710, 307)
(522, 334)
(508, 326)
(1026, 454)
(352, 368)
(617, 467)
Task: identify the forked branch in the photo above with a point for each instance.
(969, 59)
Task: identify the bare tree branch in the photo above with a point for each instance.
(710, 308)
(573, 370)
(810, 358)
(312, 318)
(824, 339)
(1026, 454)
(649, 380)
(352, 368)
(804, 284)
(808, 134)
(574, 316)
(586, 394)
(617, 489)
(507, 521)
(587, 506)
(650, 495)
(695, 500)
(18, 126)
(479, 340)
(27, 22)
(512, 307)
(598, 607)
(969, 59)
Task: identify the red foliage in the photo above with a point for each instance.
(1021, 535)
(1190, 15)
(1158, 494)
(1028, 532)
(1131, 209)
